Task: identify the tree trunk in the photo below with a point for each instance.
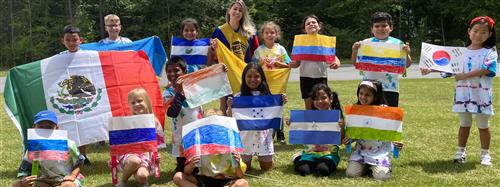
(101, 21)
(442, 29)
(12, 39)
(70, 12)
(30, 33)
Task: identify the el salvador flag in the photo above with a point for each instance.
(193, 51)
(315, 127)
(258, 112)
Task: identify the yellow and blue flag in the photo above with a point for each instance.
(381, 57)
(314, 47)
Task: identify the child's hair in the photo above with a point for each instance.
(376, 88)
(70, 29)
(492, 40)
(271, 25)
(111, 19)
(263, 87)
(381, 17)
(142, 93)
(247, 28)
(314, 17)
(189, 21)
(177, 60)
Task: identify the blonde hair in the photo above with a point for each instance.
(271, 25)
(247, 28)
(111, 18)
(141, 92)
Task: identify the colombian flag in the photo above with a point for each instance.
(381, 57)
(314, 47)
(374, 122)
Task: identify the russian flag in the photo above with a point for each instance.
(193, 51)
(381, 57)
(45, 144)
(258, 112)
(314, 47)
(211, 135)
(132, 134)
(374, 122)
(315, 127)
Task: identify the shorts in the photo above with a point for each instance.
(79, 181)
(204, 181)
(181, 161)
(482, 120)
(392, 98)
(307, 83)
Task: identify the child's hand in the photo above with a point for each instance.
(335, 64)
(178, 87)
(341, 124)
(356, 46)
(425, 71)
(213, 44)
(406, 48)
(295, 63)
(28, 180)
(69, 177)
(224, 67)
(236, 157)
(346, 140)
(398, 145)
(194, 161)
(284, 98)
(460, 76)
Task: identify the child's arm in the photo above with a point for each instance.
(475, 73)
(406, 48)
(176, 105)
(335, 64)
(354, 54)
(229, 104)
(211, 56)
(72, 176)
(191, 165)
(295, 63)
(281, 65)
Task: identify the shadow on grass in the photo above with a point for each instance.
(444, 166)
(285, 147)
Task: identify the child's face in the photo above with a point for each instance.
(381, 30)
(479, 33)
(45, 125)
(253, 79)
(236, 12)
(366, 96)
(322, 101)
(270, 35)
(173, 72)
(138, 105)
(72, 41)
(189, 32)
(311, 26)
(113, 28)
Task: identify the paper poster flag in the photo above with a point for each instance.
(192, 51)
(132, 134)
(442, 58)
(258, 112)
(314, 47)
(374, 122)
(211, 135)
(276, 78)
(381, 57)
(85, 89)
(205, 85)
(315, 127)
(45, 144)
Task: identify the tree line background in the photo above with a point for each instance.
(32, 29)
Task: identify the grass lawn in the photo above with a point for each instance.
(430, 137)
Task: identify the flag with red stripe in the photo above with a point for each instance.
(47, 144)
(314, 47)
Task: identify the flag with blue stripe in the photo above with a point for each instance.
(315, 127)
(132, 134)
(314, 47)
(192, 51)
(258, 112)
(47, 144)
(381, 57)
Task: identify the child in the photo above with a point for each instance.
(258, 143)
(370, 154)
(271, 55)
(190, 30)
(113, 27)
(381, 28)
(139, 165)
(52, 173)
(177, 108)
(71, 39)
(473, 87)
(320, 159)
(311, 72)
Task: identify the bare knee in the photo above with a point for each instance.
(133, 161)
(240, 183)
(178, 178)
(68, 184)
(142, 175)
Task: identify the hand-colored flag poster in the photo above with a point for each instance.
(258, 112)
(314, 47)
(315, 127)
(46, 144)
(85, 89)
(374, 122)
(211, 136)
(192, 51)
(381, 57)
(205, 85)
(276, 78)
(442, 58)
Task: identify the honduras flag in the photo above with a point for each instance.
(45, 144)
(258, 112)
(194, 52)
(315, 127)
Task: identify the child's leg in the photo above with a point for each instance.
(463, 132)
(239, 183)
(355, 169)
(308, 103)
(266, 162)
(142, 174)
(182, 179)
(484, 131)
(302, 167)
(68, 184)
(325, 167)
(247, 159)
(381, 172)
(131, 166)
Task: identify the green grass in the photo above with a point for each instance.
(430, 137)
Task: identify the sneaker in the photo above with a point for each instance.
(486, 159)
(460, 157)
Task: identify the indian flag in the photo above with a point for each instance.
(85, 89)
(374, 122)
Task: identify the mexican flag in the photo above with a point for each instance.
(84, 89)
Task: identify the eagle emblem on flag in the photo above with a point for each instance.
(76, 96)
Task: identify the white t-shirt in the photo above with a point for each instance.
(313, 69)
(120, 40)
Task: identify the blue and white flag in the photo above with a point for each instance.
(192, 51)
(315, 127)
(258, 112)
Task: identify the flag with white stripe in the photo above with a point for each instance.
(47, 144)
(315, 127)
(258, 112)
(442, 58)
(374, 122)
(192, 51)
